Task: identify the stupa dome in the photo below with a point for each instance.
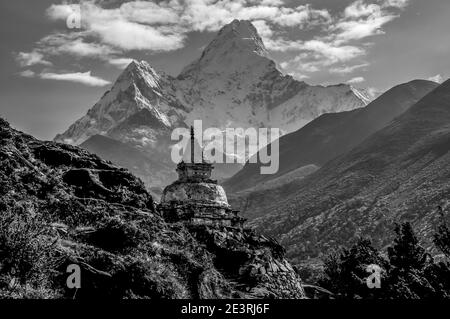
(203, 193)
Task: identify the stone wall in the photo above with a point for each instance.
(201, 214)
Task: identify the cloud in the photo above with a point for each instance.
(204, 15)
(131, 26)
(333, 51)
(133, 36)
(267, 2)
(361, 20)
(61, 11)
(301, 15)
(73, 44)
(360, 9)
(149, 12)
(298, 75)
(111, 29)
(356, 80)
(31, 58)
(358, 21)
(356, 30)
(343, 40)
(437, 78)
(373, 92)
(120, 63)
(348, 69)
(263, 28)
(78, 77)
(336, 53)
(400, 4)
(176, 18)
(162, 26)
(27, 74)
(314, 55)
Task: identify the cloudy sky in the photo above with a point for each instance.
(55, 66)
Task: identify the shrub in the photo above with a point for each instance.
(345, 270)
(24, 248)
(116, 235)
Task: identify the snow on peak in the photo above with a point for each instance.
(244, 32)
(236, 48)
(362, 94)
(136, 71)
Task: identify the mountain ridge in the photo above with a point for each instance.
(400, 173)
(335, 133)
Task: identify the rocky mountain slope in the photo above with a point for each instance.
(233, 84)
(60, 205)
(331, 135)
(400, 173)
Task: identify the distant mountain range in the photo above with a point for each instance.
(334, 134)
(234, 83)
(399, 173)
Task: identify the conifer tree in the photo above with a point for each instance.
(442, 237)
(406, 252)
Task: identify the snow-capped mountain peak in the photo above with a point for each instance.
(137, 88)
(136, 71)
(237, 48)
(234, 83)
(244, 34)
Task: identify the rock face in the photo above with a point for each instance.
(243, 254)
(233, 84)
(61, 205)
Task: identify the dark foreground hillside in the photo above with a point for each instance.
(60, 205)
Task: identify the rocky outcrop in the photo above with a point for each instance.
(60, 205)
(255, 263)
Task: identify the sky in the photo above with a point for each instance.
(57, 58)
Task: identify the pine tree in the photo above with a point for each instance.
(439, 272)
(345, 271)
(442, 237)
(408, 259)
(407, 253)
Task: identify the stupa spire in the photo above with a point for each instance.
(192, 145)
